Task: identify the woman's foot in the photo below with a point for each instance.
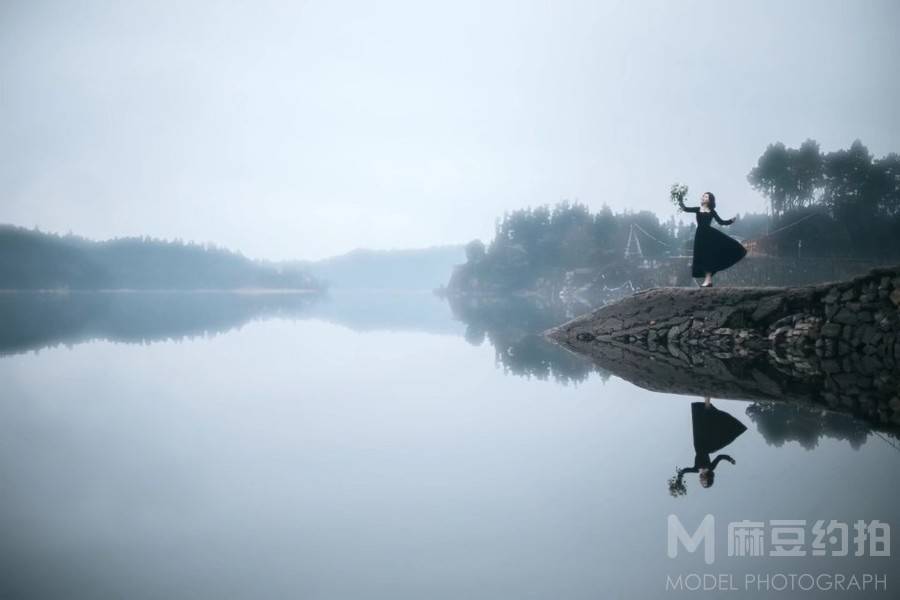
(706, 284)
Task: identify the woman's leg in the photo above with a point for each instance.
(708, 280)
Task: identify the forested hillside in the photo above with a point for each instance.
(31, 259)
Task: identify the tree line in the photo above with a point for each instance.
(31, 259)
(849, 200)
(535, 242)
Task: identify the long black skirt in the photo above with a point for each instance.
(714, 251)
(713, 429)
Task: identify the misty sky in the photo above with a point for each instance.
(305, 129)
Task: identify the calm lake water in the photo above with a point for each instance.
(377, 446)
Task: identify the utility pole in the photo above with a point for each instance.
(633, 246)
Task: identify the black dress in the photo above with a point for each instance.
(713, 429)
(713, 250)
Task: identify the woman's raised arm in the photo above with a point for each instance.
(690, 209)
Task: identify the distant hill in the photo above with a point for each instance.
(417, 269)
(31, 259)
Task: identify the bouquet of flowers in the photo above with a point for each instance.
(677, 194)
(676, 485)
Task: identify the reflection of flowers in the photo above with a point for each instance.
(676, 485)
(677, 194)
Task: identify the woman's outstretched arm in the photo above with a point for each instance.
(690, 209)
(720, 220)
(721, 457)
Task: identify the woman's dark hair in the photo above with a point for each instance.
(707, 478)
(712, 200)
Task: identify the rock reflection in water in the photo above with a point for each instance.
(513, 326)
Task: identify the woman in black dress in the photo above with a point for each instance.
(713, 250)
(713, 429)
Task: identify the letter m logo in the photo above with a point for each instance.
(705, 534)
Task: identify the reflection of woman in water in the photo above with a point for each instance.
(713, 429)
(713, 250)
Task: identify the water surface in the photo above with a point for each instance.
(339, 449)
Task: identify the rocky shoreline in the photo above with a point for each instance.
(834, 344)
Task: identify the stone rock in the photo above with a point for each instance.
(895, 296)
(831, 330)
(777, 336)
(845, 381)
(767, 308)
(831, 366)
(847, 333)
(845, 317)
(839, 339)
(614, 324)
(870, 335)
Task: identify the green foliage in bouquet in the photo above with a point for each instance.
(677, 193)
(677, 486)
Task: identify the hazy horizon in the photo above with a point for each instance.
(289, 259)
(306, 131)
